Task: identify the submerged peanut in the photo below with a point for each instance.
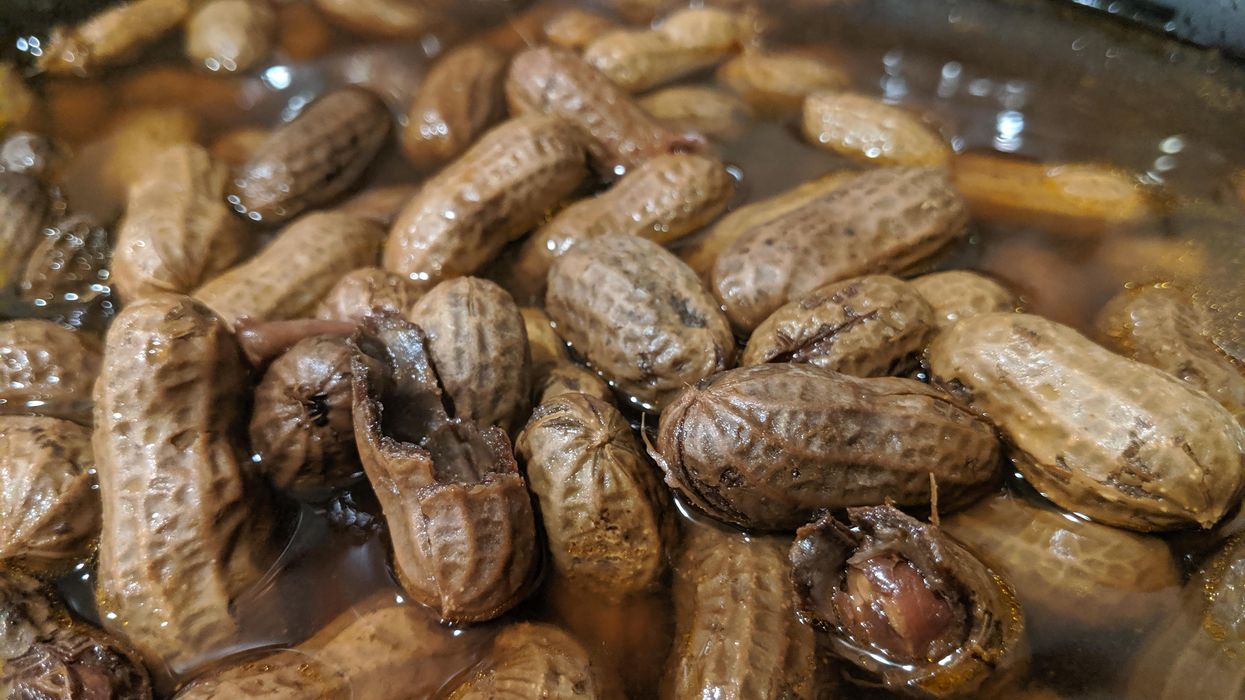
(736, 633)
(112, 37)
(867, 129)
(700, 108)
(68, 271)
(230, 35)
(77, 661)
(574, 28)
(49, 510)
(883, 221)
(639, 316)
(458, 100)
(770, 445)
(495, 192)
(776, 82)
(1072, 569)
(683, 43)
(390, 19)
(367, 291)
(601, 501)
(529, 660)
(23, 209)
(1164, 327)
(866, 327)
(662, 200)
(1121, 442)
(47, 369)
(621, 135)
(301, 424)
(1073, 198)
(478, 342)
(294, 271)
(177, 232)
(570, 378)
(313, 159)
(175, 485)
(959, 294)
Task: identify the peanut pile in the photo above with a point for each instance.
(565, 361)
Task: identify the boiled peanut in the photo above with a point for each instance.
(705, 249)
(459, 99)
(683, 43)
(959, 294)
(366, 291)
(24, 208)
(177, 232)
(663, 199)
(303, 33)
(28, 612)
(234, 148)
(478, 344)
(601, 501)
(904, 602)
(700, 108)
(314, 158)
(768, 446)
(776, 82)
(869, 130)
(289, 276)
(866, 327)
(67, 273)
(639, 316)
(529, 660)
(112, 37)
(174, 485)
(380, 205)
(17, 103)
(75, 108)
(393, 19)
(736, 633)
(1074, 570)
(230, 35)
(621, 135)
(574, 28)
(49, 510)
(376, 650)
(46, 369)
(1165, 328)
(301, 425)
(459, 515)
(1151, 259)
(570, 379)
(76, 661)
(547, 348)
(1121, 442)
(216, 98)
(1072, 198)
(880, 222)
(494, 193)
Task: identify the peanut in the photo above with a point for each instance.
(570, 379)
(683, 43)
(177, 232)
(703, 109)
(776, 82)
(459, 99)
(387, 19)
(49, 509)
(366, 291)
(662, 200)
(76, 660)
(230, 35)
(547, 348)
(880, 222)
(529, 660)
(174, 485)
(17, 103)
(601, 502)
(491, 195)
(866, 327)
(1064, 198)
(67, 273)
(768, 446)
(869, 130)
(574, 28)
(216, 98)
(1166, 328)
(380, 205)
(303, 33)
(112, 37)
(28, 612)
(23, 209)
(621, 135)
(293, 272)
(639, 316)
(959, 294)
(705, 249)
(313, 159)
(234, 148)
(46, 369)
(1121, 442)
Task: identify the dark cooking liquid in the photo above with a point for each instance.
(1032, 78)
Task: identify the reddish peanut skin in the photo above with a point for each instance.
(883, 221)
(621, 135)
(768, 446)
(314, 158)
(498, 190)
(639, 316)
